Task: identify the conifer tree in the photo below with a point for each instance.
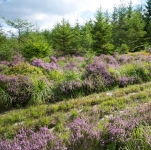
(101, 34)
(86, 33)
(77, 37)
(135, 32)
(119, 25)
(62, 36)
(147, 18)
(48, 36)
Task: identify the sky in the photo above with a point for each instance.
(46, 13)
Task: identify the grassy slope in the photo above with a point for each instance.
(57, 116)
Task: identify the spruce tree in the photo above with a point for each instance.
(77, 37)
(86, 37)
(101, 34)
(48, 36)
(62, 36)
(135, 32)
(119, 26)
(147, 18)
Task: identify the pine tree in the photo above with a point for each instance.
(147, 18)
(48, 36)
(101, 34)
(77, 37)
(86, 32)
(119, 27)
(135, 32)
(62, 36)
(129, 10)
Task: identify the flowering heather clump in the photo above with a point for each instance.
(95, 69)
(4, 63)
(48, 66)
(148, 59)
(61, 59)
(71, 66)
(124, 81)
(53, 59)
(118, 130)
(140, 57)
(16, 59)
(123, 59)
(82, 135)
(19, 88)
(108, 60)
(80, 58)
(68, 87)
(144, 113)
(30, 140)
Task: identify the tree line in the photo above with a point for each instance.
(126, 29)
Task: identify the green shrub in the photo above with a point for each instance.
(123, 49)
(72, 75)
(56, 75)
(42, 91)
(127, 70)
(25, 69)
(8, 49)
(4, 99)
(35, 46)
(142, 72)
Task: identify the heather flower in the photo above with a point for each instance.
(123, 59)
(16, 59)
(61, 59)
(31, 140)
(68, 87)
(18, 87)
(82, 135)
(53, 59)
(80, 58)
(4, 63)
(109, 60)
(97, 69)
(71, 66)
(124, 81)
(38, 62)
(118, 130)
(42, 64)
(148, 59)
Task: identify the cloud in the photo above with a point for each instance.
(45, 13)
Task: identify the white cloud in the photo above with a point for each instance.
(47, 12)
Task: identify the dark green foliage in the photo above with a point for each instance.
(135, 32)
(62, 36)
(7, 46)
(22, 26)
(147, 19)
(48, 36)
(128, 29)
(86, 33)
(119, 25)
(101, 34)
(77, 38)
(35, 45)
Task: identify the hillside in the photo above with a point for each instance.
(91, 102)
